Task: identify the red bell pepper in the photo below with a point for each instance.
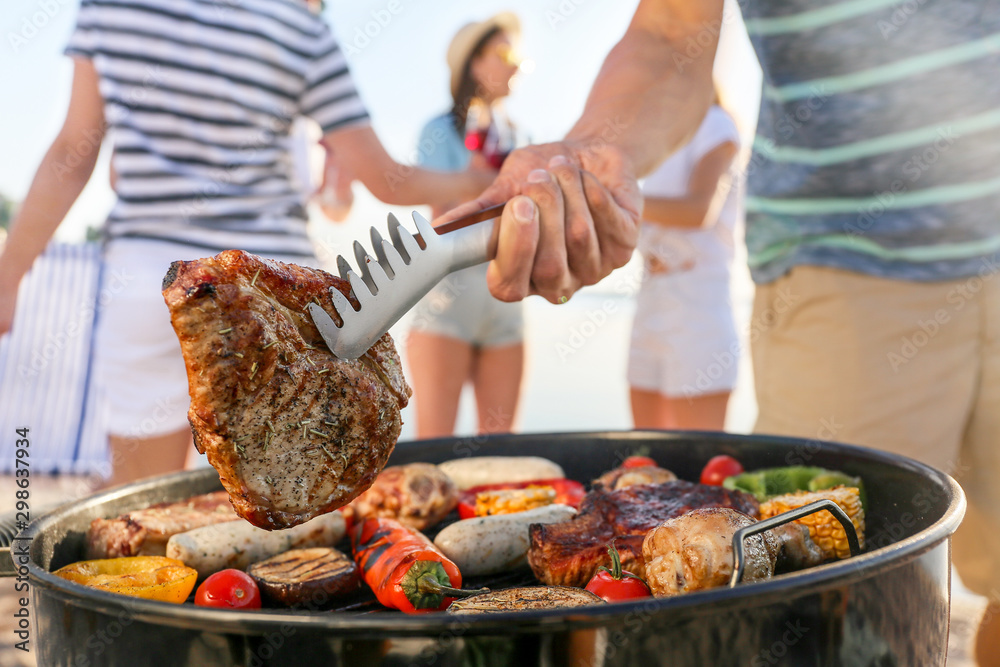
(404, 568)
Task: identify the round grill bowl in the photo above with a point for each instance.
(888, 606)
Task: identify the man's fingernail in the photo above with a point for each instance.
(524, 209)
(538, 176)
(558, 161)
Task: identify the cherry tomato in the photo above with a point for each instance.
(719, 468)
(229, 589)
(637, 462)
(614, 585)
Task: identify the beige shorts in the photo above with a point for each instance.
(910, 368)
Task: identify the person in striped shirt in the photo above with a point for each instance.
(872, 221)
(200, 97)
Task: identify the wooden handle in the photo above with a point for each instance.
(471, 219)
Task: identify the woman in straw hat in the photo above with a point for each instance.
(460, 333)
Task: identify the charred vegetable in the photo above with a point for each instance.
(404, 568)
(824, 529)
(528, 597)
(309, 577)
(770, 482)
(150, 577)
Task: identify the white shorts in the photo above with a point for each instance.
(684, 340)
(137, 357)
(461, 306)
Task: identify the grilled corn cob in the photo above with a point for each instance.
(824, 529)
(508, 501)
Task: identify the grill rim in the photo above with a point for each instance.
(824, 577)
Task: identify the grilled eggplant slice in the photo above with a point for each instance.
(309, 578)
(527, 597)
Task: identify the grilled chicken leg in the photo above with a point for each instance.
(694, 552)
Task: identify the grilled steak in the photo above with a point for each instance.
(569, 553)
(293, 431)
(145, 532)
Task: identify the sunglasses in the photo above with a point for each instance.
(508, 55)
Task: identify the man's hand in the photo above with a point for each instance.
(573, 217)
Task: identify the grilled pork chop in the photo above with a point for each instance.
(569, 553)
(293, 431)
(145, 532)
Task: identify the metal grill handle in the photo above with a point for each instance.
(739, 548)
(8, 529)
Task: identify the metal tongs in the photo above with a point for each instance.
(399, 275)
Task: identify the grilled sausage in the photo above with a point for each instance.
(417, 495)
(491, 544)
(237, 544)
(480, 470)
(528, 597)
(305, 577)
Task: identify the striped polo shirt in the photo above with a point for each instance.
(878, 145)
(200, 96)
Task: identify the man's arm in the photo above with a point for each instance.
(399, 184)
(60, 179)
(575, 204)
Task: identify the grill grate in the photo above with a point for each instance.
(8, 529)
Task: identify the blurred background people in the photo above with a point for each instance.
(201, 99)
(684, 349)
(460, 334)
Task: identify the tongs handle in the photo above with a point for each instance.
(470, 241)
(472, 218)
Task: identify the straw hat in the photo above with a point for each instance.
(468, 37)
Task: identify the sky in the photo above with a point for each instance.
(396, 51)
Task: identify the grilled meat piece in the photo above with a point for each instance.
(145, 532)
(307, 577)
(417, 495)
(694, 552)
(619, 478)
(569, 553)
(293, 431)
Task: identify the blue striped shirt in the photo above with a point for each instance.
(201, 95)
(878, 144)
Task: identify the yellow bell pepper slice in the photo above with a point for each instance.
(149, 577)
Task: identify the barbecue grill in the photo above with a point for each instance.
(887, 606)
